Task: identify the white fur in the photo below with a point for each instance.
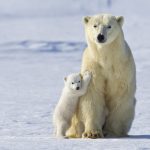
(113, 84)
(68, 101)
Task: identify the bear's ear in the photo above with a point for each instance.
(65, 79)
(120, 20)
(86, 19)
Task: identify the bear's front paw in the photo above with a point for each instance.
(93, 134)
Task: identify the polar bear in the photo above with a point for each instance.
(113, 83)
(75, 86)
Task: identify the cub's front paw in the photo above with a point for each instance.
(87, 74)
(93, 134)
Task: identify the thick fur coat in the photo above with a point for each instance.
(75, 86)
(113, 84)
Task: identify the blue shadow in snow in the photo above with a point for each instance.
(43, 46)
(144, 136)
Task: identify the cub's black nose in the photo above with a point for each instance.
(101, 38)
(77, 88)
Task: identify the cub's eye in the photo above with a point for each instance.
(79, 81)
(72, 83)
(95, 26)
(109, 26)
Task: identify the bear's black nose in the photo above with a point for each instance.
(77, 88)
(101, 38)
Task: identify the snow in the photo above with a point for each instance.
(38, 48)
(45, 143)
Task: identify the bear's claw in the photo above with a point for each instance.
(92, 135)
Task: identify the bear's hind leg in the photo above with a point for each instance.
(61, 129)
(119, 121)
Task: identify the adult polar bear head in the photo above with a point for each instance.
(103, 29)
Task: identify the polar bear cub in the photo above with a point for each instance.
(75, 86)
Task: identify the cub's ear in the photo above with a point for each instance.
(86, 19)
(120, 20)
(65, 79)
(81, 75)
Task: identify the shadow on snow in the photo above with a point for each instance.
(42, 46)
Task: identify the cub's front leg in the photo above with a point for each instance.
(85, 81)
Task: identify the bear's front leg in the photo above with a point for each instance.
(92, 107)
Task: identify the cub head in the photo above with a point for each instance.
(73, 81)
(103, 29)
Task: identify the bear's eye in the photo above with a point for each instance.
(109, 26)
(79, 81)
(95, 26)
(72, 83)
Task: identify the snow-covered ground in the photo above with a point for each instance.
(38, 50)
